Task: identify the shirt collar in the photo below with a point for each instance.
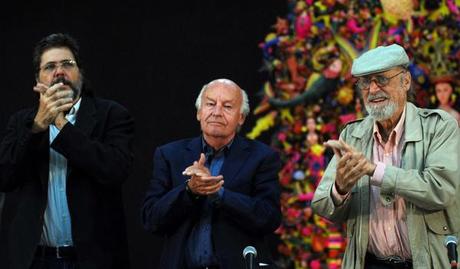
(207, 149)
(73, 111)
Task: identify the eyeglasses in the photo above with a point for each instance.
(381, 81)
(64, 64)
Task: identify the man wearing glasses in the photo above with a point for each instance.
(395, 175)
(62, 164)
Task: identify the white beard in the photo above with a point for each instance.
(380, 113)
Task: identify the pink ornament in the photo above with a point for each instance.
(303, 25)
(453, 7)
(347, 118)
(282, 137)
(305, 197)
(352, 24)
(315, 264)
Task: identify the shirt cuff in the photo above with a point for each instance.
(379, 171)
(338, 198)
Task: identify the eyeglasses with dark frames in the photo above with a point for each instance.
(365, 82)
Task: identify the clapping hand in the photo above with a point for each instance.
(54, 101)
(201, 182)
(351, 165)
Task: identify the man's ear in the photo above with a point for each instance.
(242, 119)
(407, 81)
(198, 115)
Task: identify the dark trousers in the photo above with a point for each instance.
(53, 263)
(50, 258)
(373, 262)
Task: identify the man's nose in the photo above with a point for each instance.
(217, 110)
(59, 71)
(373, 87)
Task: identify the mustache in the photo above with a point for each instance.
(372, 97)
(62, 80)
(75, 88)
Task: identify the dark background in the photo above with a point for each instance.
(151, 57)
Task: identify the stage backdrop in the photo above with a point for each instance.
(151, 56)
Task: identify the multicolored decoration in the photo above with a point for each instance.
(309, 95)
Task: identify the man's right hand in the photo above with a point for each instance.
(351, 166)
(53, 100)
(201, 181)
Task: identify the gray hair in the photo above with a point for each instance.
(245, 100)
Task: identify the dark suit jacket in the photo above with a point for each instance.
(99, 159)
(248, 211)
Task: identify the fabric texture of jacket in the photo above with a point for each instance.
(99, 159)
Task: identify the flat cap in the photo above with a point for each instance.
(380, 59)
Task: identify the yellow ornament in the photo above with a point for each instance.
(345, 95)
(400, 9)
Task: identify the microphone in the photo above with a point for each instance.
(250, 255)
(451, 244)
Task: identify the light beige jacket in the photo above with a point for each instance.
(429, 181)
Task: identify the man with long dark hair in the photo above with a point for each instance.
(62, 164)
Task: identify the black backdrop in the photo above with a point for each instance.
(150, 56)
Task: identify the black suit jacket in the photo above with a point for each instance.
(248, 211)
(99, 159)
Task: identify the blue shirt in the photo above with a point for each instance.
(57, 229)
(200, 250)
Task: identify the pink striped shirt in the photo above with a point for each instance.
(388, 233)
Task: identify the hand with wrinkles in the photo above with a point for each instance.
(54, 101)
(351, 165)
(201, 182)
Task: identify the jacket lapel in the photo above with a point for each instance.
(234, 161)
(412, 128)
(365, 137)
(192, 152)
(86, 117)
(86, 120)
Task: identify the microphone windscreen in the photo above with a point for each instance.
(249, 250)
(450, 239)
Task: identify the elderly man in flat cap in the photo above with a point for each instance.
(394, 179)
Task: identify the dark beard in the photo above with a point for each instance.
(74, 88)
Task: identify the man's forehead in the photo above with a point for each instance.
(226, 91)
(56, 54)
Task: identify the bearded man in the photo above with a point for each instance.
(395, 175)
(62, 165)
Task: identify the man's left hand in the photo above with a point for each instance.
(201, 181)
(351, 165)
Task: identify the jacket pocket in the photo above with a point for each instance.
(438, 223)
(445, 221)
